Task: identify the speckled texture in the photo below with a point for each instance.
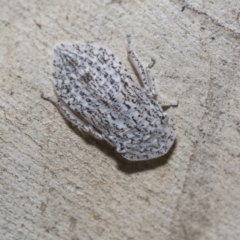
(57, 184)
(97, 95)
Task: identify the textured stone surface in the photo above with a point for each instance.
(57, 183)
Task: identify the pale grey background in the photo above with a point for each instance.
(57, 183)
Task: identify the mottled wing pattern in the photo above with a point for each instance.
(93, 83)
(97, 86)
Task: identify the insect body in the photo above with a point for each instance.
(96, 93)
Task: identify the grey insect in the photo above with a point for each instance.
(96, 93)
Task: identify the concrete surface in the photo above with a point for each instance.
(57, 183)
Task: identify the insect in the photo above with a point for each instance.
(96, 93)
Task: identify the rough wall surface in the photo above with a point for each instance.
(57, 183)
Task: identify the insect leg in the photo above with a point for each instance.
(162, 102)
(137, 64)
(166, 103)
(71, 117)
(151, 78)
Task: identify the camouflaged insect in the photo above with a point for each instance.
(97, 94)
